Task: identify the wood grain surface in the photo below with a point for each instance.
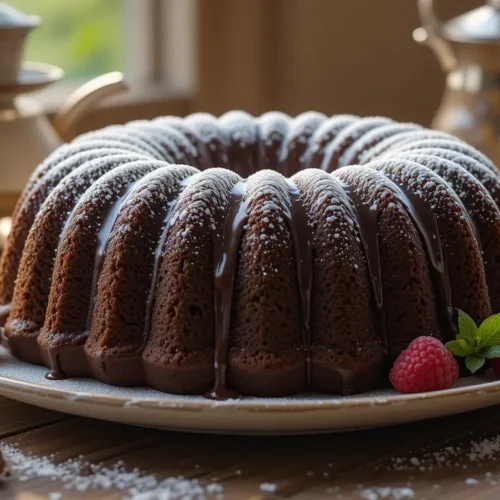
(352, 465)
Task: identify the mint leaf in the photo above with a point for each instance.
(492, 352)
(489, 331)
(467, 327)
(492, 340)
(474, 363)
(469, 349)
(457, 349)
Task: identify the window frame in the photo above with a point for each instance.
(159, 43)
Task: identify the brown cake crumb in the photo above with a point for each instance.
(86, 470)
(4, 469)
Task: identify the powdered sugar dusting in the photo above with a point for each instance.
(472, 193)
(323, 136)
(240, 128)
(301, 130)
(206, 126)
(374, 188)
(126, 141)
(210, 134)
(401, 138)
(173, 144)
(338, 146)
(331, 211)
(268, 487)
(425, 138)
(200, 205)
(79, 475)
(305, 125)
(434, 139)
(268, 203)
(460, 456)
(387, 492)
(65, 167)
(273, 124)
(356, 151)
(456, 456)
(429, 186)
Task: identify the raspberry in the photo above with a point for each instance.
(426, 365)
(495, 366)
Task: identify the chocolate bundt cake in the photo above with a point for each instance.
(239, 255)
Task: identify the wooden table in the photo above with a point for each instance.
(344, 466)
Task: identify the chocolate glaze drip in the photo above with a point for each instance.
(424, 219)
(226, 259)
(226, 250)
(301, 232)
(72, 355)
(368, 230)
(367, 218)
(109, 214)
(55, 372)
(163, 229)
(428, 160)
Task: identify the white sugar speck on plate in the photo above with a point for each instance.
(387, 492)
(214, 488)
(470, 481)
(268, 487)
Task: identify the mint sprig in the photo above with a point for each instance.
(476, 344)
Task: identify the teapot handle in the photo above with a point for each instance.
(83, 99)
(428, 16)
(430, 34)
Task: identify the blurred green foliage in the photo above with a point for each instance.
(84, 37)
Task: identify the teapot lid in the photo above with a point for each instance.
(11, 18)
(481, 25)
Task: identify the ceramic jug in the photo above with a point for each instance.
(26, 134)
(468, 48)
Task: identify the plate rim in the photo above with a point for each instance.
(266, 405)
(304, 413)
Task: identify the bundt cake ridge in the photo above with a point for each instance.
(257, 256)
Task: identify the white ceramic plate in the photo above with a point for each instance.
(307, 413)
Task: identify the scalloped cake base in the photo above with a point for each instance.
(305, 413)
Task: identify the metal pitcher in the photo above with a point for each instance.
(468, 48)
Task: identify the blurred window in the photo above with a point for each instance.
(84, 37)
(153, 42)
